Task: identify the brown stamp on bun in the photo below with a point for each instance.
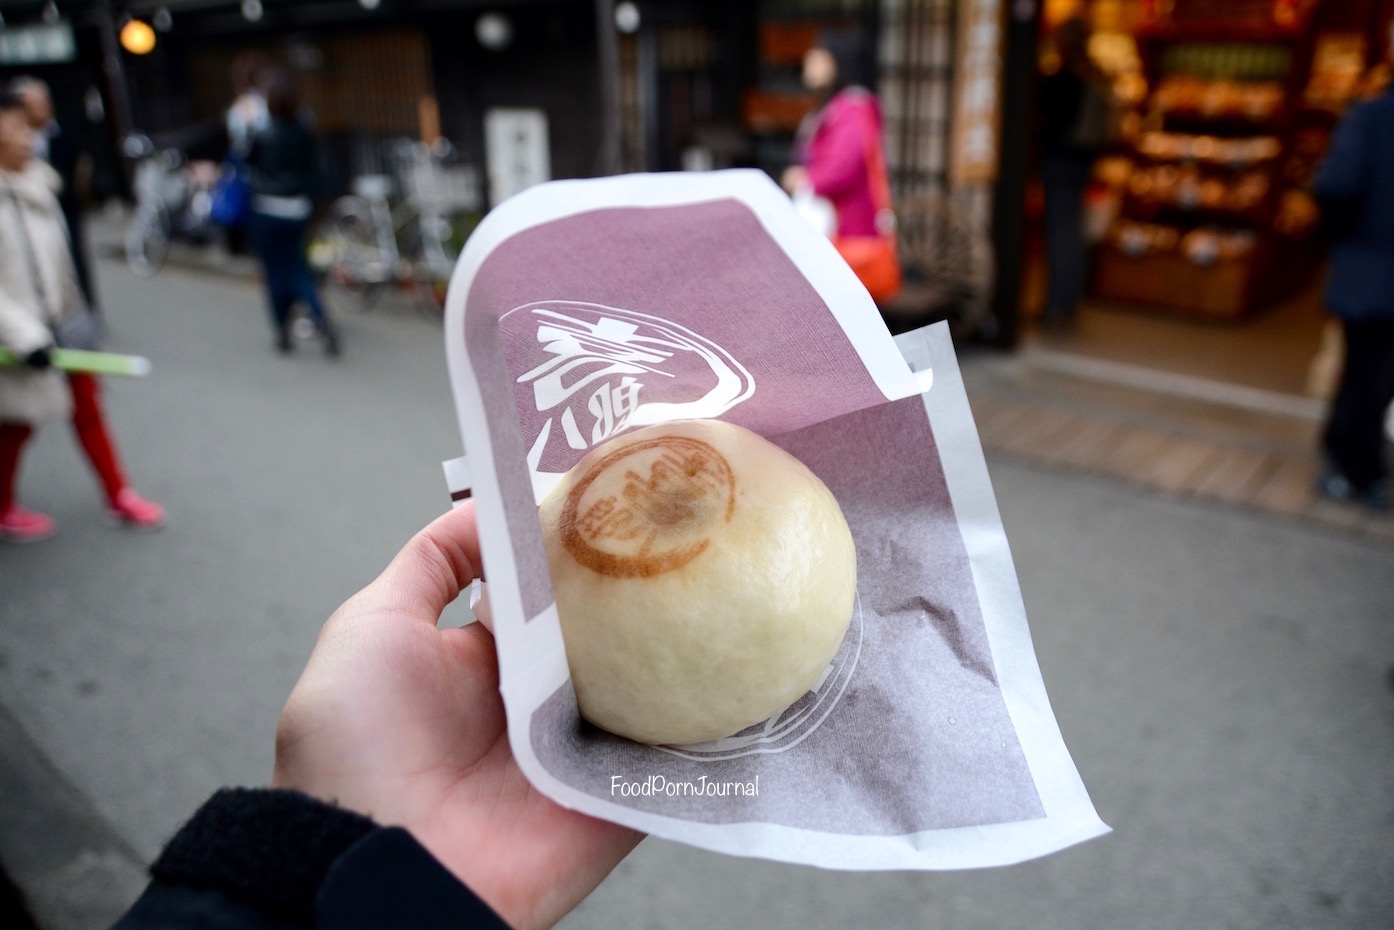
(648, 508)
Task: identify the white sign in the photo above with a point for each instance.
(37, 45)
(517, 151)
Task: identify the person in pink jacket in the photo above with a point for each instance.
(838, 157)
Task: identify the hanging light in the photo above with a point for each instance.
(137, 37)
(252, 10)
(627, 17)
(494, 31)
(370, 4)
(162, 20)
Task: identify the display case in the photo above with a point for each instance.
(1214, 216)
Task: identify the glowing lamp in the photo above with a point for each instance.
(137, 37)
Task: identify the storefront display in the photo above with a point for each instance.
(1214, 219)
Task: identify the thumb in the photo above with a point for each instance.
(431, 569)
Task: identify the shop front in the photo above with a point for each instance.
(1206, 256)
(952, 81)
(369, 71)
(1204, 241)
(375, 72)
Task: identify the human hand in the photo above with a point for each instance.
(404, 723)
(794, 178)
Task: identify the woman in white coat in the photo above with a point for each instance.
(38, 289)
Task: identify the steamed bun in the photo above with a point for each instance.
(704, 579)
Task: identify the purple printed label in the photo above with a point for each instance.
(622, 317)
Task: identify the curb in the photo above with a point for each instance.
(75, 872)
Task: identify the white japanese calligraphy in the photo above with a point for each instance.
(607, 369)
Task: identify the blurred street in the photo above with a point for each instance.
(1221, 674)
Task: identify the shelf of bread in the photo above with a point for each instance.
(1209, 149)
(1170, 191)
(1207, 201)
(1188, 96)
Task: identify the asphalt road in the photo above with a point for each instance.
(1221, 678)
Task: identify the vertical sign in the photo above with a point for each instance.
(977, 108)
(516, 148)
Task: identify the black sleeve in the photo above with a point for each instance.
(1061, 96)
(261, 859)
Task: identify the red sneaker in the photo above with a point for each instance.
(20, 524)
(132, 510)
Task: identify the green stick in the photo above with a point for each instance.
(97, 363)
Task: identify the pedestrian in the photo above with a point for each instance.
(838, 156)
(287, 178)
(247, 115)
(1077, 111)
(60, 148)
(1355, 186)
(38, 292)
(395, 800)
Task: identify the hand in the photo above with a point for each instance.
(39, 358)
(403, 722)
(795, 177)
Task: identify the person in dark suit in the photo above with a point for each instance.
(1355, 187)
(1074, 106)
(61, 150)
(287, 179)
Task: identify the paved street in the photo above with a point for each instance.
(1221, 676)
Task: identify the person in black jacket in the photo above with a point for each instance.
(286, 180)
(395, 800)
(1355, 186)
(1070, 142)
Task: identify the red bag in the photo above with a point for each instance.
(874, 261)
(873, 258)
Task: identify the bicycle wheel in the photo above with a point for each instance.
(147, 240)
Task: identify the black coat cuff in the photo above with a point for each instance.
(269, 847)
(268, 859)
(388, 879)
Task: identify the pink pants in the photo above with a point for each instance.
(90, 426)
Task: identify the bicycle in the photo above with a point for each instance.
(173, 199)
(367, 242)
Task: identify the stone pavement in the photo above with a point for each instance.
(1220, 672)
(1215, 443)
